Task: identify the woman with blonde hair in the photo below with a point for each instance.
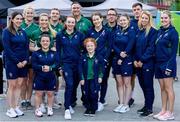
(166, 66)
(28, 26)
(144, 60)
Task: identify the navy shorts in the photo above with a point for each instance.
(160, 69)
(13, 72)
(48, 84)
(125, 69)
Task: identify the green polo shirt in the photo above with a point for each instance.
(58, 27)
(29, 29)
(36, 35)
(90, 72)
(83, 25)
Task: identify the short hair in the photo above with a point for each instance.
(137, 4)
(97, 14)
(55, 9)
(89, 40)
(112, 9)
(75, 2)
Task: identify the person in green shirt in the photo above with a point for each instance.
(28, 26)
(83, 24)
(43, 27)
(54, 20)
(54, 23)
(90, 72)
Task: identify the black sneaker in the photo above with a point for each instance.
(87, 112)
(28, 105)
(146, 113)
(142, 110)
(131, 102)
(92, 113)
(23, 105)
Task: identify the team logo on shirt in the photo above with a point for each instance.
(132, 27)
(96, 61)
(75, 36)
(63, 37)
(118, 33)
(40, 56)
(92, 33)
(84, 60)
(66, 74)
(52, 55)
(10, 74)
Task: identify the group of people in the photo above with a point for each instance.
(83, 52)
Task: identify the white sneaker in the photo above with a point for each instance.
(42, 108)
(38, 113)
(49, 111)
(100, 106)
(71, 110)
(11, 113)
(124, 109)
(118, 108)
(67, 114)
(18, 111)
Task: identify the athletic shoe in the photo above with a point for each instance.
(49, 111)
(28, 105)
(92, 113)
(100, 106)
(105, 103)
(67, 114)
(11, 113)
(71, 110)
(38, 113)
(87, 112)
(159, 114)
(118, 108)
(124, 109)
(142, 110)
(23, 105)
(42, 108)
(131, 102)
(18, 111)
(146, 113)
(167, 116)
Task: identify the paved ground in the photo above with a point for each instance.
(107, 114)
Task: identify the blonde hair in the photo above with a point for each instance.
(150, 23)
(53, 32)
(25, 10)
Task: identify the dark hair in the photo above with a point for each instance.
(112, 9)
(45, 34)
(75, 2)
(11, 27)
(137, 4)
(97, 14)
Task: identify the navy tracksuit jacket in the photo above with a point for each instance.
(144, 52)
(69, 49)
(166, 49)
